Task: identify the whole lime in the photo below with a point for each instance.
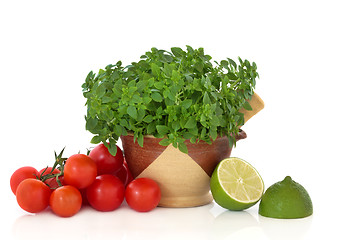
(286, 199)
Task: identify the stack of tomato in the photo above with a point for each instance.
(99, 179)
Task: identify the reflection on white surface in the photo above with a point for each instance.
(167, 223)
(87, 224)
(235, 225)
(206, 222)
(285, 228)
(124, 223)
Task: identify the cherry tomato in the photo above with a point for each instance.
(105, 162)
(65, 201)
(47, 170)
(130, 177)
(106, 193)
(143, 194)
(51, 182)
(79, 171)
(84, 197)
(124, 174)
(33, 195)
(21, 174)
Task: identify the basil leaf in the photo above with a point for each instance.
(191, 123)
(162, 129)
(247, 106)
(183, 148)
(155, 69)
(131, 110)
(156, 97)
(186, 103)
(148, 119)
(178, 52)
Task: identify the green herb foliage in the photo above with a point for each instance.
(174, 95)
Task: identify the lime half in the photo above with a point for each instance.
(235, 184)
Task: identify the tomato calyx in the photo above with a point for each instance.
(58, 164)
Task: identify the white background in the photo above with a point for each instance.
(307, 54)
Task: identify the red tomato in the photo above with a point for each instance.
(124, 174)
(130, 177)
(21, 174)
(83, 196)
(106, 193)
(143, 194)
(47, 170)
(53, 184)
(33, 195)
(105, 162)
(79, 171)
(65, 201)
